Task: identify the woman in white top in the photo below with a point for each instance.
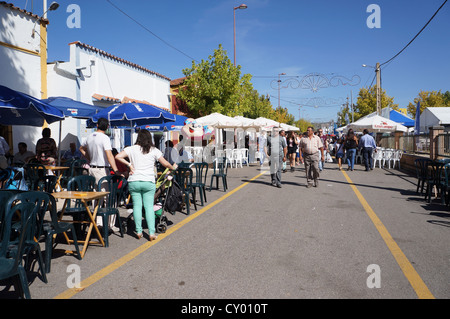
(141, 182)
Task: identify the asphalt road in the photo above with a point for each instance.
(363, 235)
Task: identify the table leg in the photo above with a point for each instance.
(92, 226)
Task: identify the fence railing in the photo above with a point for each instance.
(418, 144)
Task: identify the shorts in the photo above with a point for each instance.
(340, 155)
(292, 150)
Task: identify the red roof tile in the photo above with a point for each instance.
(89, 47)
(31, 14)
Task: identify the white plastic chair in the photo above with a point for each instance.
(229, 156)
(396, 157)
(358, 156)
(387, 155)
(244, 155)
(197, 153)
(377, 156)
(237, 157)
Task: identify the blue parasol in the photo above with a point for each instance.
(71, 107)
(170, 126)
(132, 115)
(17, 108)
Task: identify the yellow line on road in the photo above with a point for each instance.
(133, 254)
(411, 274)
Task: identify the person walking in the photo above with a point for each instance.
(309, 152)
(350, 146)
(141, 182)
(368, 145)
(98, 151)
(262, 147)
(277, 153)
(339, 146)
(283, 135)
(323, 137)
(292, 146)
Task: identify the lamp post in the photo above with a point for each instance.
(378, 75)
(242, 6)
(279, 82)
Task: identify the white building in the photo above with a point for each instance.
(92, 76)
(96, 77)
(435, 116)
(23, 60)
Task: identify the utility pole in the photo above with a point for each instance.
(378, 74)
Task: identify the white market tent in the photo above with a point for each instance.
(218, 120)
(434, 116)
(376, 124)
(287, 127)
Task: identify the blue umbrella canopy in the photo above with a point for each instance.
(132, 115)
(71, 107)
(17, 108)
(170, 126)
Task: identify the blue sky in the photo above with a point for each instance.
(296, 37)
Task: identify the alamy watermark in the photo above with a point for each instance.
(74, 19)
(374, 19)
(374, 279)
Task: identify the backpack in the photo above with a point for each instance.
(349, 144)
(174, 200)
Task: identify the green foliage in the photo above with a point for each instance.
(429, 99)
(216, 85)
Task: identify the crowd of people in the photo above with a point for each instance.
(137, 163)
(313, 149)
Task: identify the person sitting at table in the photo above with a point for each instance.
(23, 155)
(72, 154)
(46, 148)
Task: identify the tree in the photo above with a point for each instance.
(260, 106)
(429, 99)
(282, 115)
(367, 102)
(216, 85)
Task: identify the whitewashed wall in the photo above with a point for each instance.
(20, 70)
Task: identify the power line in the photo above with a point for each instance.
(415, 36)
(149, 31)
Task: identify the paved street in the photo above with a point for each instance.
(257, 241)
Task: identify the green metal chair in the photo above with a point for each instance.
(421, 165)
(11, 262)
(35, 175)
(434, 178)
(76, 209)
(445, 185)
(220, 171)
(183, 176)
(201, 172)
(55, 227)
(40, 201)
(111, 204)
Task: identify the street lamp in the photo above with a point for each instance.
(242, 6)
(279, 82)
(378, 74)
(53, 6)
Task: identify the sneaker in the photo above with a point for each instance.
(309, 186)
(115, 229)
(316, 183)
(279, 185)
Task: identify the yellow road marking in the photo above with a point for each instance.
(133, 254)
(411, 274)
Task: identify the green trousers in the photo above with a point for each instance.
(143, 195)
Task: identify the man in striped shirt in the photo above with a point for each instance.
(309, 150)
